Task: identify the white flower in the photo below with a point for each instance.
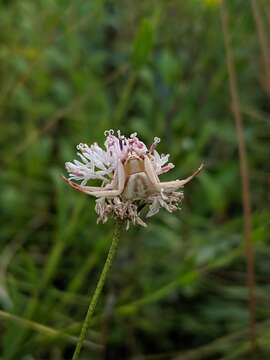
(129, 172)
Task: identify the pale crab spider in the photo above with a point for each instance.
(134, 179)
(129, 172)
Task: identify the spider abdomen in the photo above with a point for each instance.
(138, 186)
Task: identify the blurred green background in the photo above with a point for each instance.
(70, 70)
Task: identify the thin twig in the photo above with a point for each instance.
(98, 290)
(244, 177)
(255, 114)
(45, 330)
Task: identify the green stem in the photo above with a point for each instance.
(98, 290)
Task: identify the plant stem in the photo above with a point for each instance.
(98, 290)
(244, 172)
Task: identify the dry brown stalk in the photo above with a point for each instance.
(244, 173)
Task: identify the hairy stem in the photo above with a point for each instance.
(98, 290)
(250, 257)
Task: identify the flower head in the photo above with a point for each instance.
(129, 173)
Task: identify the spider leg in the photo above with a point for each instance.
(151, 173)
(176, 184)
(121, 178)
(81, 188)
(103, 192)
(166, 185)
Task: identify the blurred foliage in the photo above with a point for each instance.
(69, 71)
